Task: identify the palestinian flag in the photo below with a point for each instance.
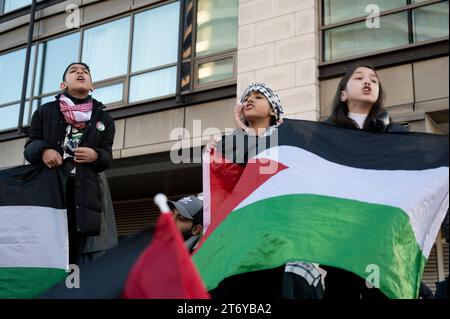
(165, 269)
(346, 198)
(152, 264)
(105, 277)
(33, 230)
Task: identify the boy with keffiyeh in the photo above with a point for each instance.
(76, 133)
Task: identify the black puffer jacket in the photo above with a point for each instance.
(381, 124)
(48, 128)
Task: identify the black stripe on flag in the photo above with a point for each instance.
(31, 185)
(105, 277)
(367, 150)
(345, 146)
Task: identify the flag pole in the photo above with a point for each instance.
(161, 201)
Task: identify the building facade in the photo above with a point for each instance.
(169, 72)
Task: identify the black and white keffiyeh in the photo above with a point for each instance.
(271, 96)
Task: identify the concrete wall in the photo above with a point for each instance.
(151, 133)
(11, 153)
(279, 45)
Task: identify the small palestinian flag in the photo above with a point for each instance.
(152, 264)
(33, 230)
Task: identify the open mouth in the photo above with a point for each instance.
(80, 78)
(367, 89)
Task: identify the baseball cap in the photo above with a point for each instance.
(190, 207)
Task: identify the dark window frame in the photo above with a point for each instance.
(219, 89)
(412, 52)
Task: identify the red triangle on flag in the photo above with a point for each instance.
(241, 184)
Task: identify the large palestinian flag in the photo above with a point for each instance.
(33, 230)
(339, 197)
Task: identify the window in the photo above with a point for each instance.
(339, 10)
(340, 42)
(217, 26)
(401, 23)
(9, 116)
(215, 71)
(11, 5)
(153, 84)
(109, 94)
(105, 49)
(12, 66)
(47, 99)
(134, 58)
(159, 26)
(53, 58)
(430, 22)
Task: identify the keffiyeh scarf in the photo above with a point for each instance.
(75, 114)
(271, 96)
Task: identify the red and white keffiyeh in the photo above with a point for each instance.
(75, 114)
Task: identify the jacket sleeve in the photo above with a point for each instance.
(35, 145)
(104, 150)
(397, 128)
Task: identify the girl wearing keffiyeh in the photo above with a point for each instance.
(260, 108)
(259, 113)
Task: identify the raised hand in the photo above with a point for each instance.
(239, 117)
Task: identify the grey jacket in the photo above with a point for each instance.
(108, 233)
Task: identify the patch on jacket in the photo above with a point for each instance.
(100, 126)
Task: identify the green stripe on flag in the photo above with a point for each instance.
(343, 233)
(27, 282)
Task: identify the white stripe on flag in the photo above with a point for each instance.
(423, 195)
(32, 236)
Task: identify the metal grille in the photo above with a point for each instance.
(430, 276)
(135, 215)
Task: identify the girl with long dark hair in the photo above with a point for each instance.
(359, 104)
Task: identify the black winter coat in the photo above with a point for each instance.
(48, 130)
(381, 124)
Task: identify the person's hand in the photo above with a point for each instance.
(85, 155)
(51, 158)
(239, 117)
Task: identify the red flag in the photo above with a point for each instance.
(165, 269)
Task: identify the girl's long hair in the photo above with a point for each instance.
(339, 109)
